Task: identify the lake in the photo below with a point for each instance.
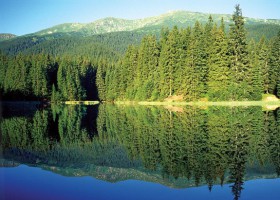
(138, 152)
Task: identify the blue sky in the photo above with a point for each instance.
(27, 16)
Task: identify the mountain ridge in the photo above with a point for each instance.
(6, 36)
(118, 33)
(113, 24)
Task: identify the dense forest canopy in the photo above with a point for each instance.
(204, 61)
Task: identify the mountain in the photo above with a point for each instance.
(170, 19)
(116, 34)
(6, 36)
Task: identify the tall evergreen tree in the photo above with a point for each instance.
(169, 59)
(262, 59)
(146, 72)
(39, 75)
(3, 68)
(183, 77)
(218, 77)
(274, 67)
(238, 55)
(255, 73)
(100, 79)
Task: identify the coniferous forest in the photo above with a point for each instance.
(205, 61)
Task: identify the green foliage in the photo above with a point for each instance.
(100, 79)
(240, 87)
(274, 67)
(192, 63)
(218, 77)
(41, 77)
(196, 63)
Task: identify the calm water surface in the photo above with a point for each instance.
(137, 152)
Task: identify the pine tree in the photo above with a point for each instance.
(100, 80)
(208, 40)
(61, 79)
(262, 59)
(196, 65)
(218, 78)
(169, 63)
(182, 83)
(146, 72)
(131, 73)
(39, 75)
(255, 73)
(274, 67)
(238, 55)
(3, 68)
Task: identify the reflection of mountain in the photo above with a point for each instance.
(7, 163)
(183, 149)
(113, 174)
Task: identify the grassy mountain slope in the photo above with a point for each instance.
(179, 18)
(116, 34)
(6, 36)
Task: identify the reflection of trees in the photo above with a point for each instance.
(201, 145)
(22, 136)
(274, 139)
(14, 132)
(195, 144)
(240, 130)
(26, 133)
(218, 129)
(69, 125)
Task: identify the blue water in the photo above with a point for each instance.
(28, 183)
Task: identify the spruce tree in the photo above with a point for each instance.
(39, 75)
(262, 59)
(274, 67)
(100, 80)
(238, 55)
(183, 81)
(169, 63)
(131, 73)
(146, 72)
(218, 78)
(3, 68)
(196, 64)
(255, 73)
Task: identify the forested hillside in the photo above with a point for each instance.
(119, 33)
(209, 60)
(198, 62)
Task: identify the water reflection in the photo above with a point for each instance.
(209, 146)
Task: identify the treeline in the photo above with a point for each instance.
(42, 77)
(110, 44)
(199, 62)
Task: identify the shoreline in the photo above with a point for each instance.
(199, 103)
(264, 102)
(81, 102)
